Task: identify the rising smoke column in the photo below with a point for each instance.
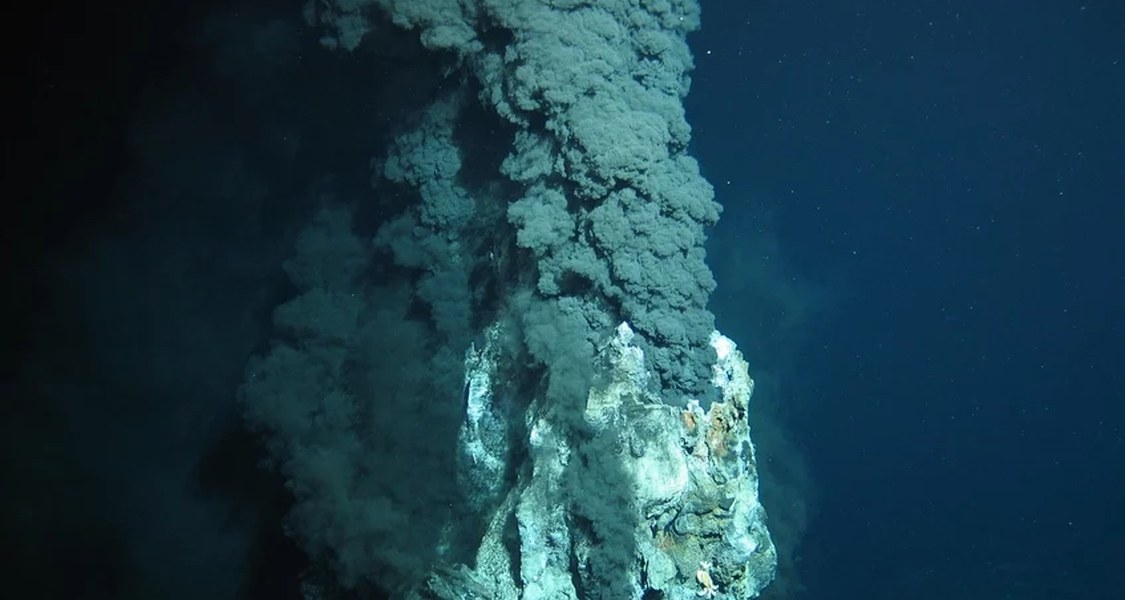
(591, 214)
(612, 207)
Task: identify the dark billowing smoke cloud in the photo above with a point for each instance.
(529, 167)
(608, 203)
(543, 183)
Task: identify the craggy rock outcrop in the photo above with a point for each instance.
(696, 526)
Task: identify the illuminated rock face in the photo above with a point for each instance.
(665, 498)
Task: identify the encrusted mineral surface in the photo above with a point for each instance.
(681, 515)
